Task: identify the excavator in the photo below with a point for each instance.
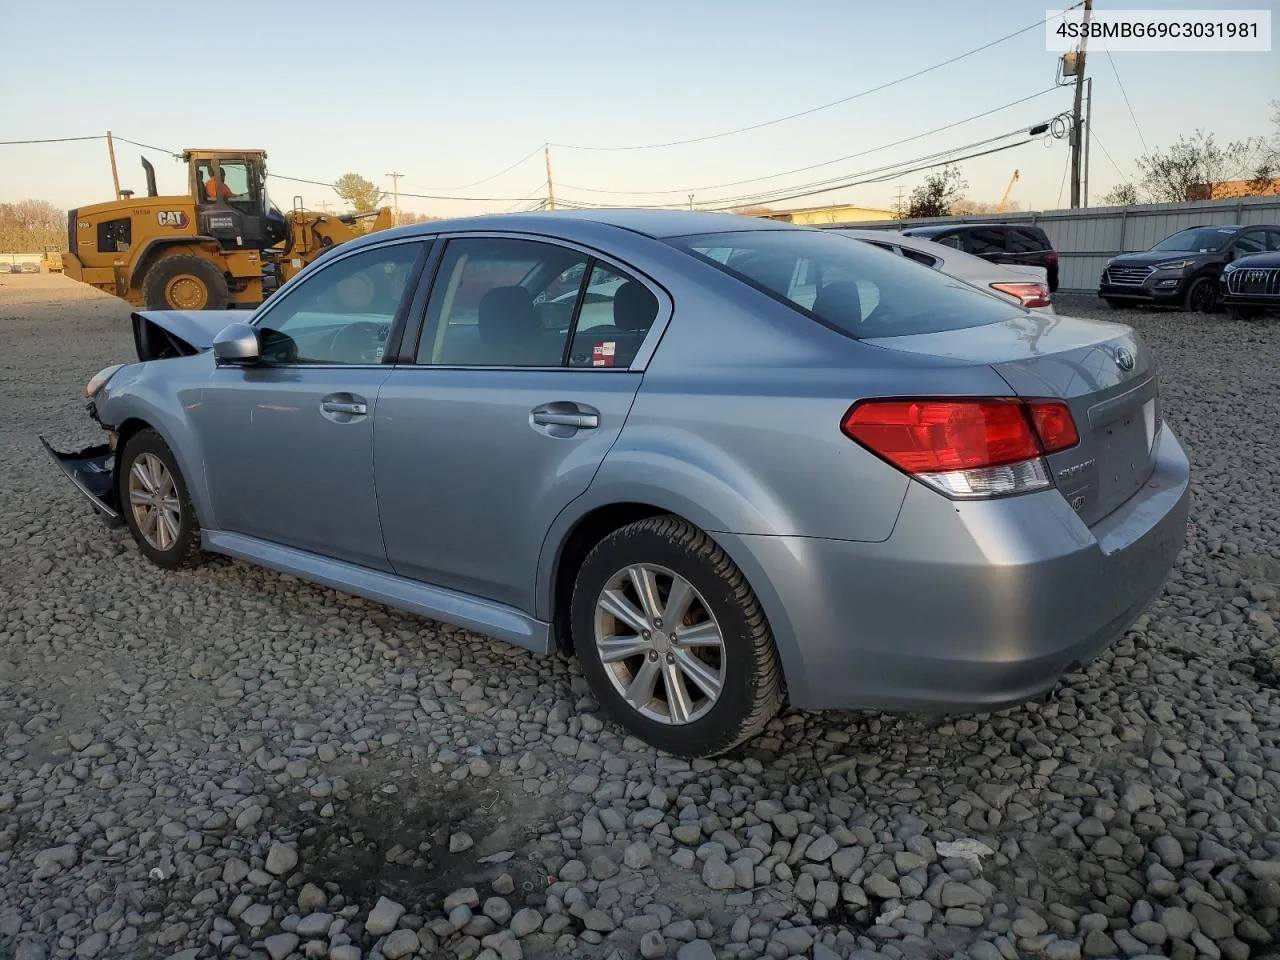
(223, 244)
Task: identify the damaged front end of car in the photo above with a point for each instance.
(157, 336)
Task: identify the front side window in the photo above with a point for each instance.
(343, 312)
(848, 286)
(1197, 240)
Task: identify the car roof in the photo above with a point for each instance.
(939, 228)
(659, 224)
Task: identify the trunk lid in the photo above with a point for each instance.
(1102, 370)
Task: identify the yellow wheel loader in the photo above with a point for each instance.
(52, 260)
(224, 244)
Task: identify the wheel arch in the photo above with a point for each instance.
(136, 411)
(159, 247)
(586, 522)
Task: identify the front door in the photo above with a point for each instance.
(520, 387)
(288, 443)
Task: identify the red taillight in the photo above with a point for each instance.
(1030, 293)
(1051, 256)
(972, 447)
(1054, 425)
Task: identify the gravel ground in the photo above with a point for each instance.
(229, 762)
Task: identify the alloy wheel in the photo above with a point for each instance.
(153, 498)
(660, 645)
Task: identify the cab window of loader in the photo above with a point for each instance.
(236, 177)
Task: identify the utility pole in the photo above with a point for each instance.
(115, 174)
(395, 193)
(899, 202)
(691, 201)
(1088, 136)
(551, 191)
(1077, 124)
(325, 205)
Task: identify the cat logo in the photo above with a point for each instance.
(172, 218)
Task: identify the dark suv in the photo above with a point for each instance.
(1183, 270)
(998, 242)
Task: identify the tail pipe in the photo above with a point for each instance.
(151, 177)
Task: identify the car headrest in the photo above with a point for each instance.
(634, 307)
(839, 302)
(506, 315)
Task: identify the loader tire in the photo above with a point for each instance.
(184, 281)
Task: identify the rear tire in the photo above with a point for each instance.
(155, 504)
(184, 281)
(721, 639)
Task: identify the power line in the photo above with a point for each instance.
(475, 183)
(1109, 157)
(767, 195)
(1137, 126)
(893, 174)
(147, 146)
(825, 106)
(13, 143)
(824, 163)
(1065, 167)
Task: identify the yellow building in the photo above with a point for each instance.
(835, 213)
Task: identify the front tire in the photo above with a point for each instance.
(155, 503)
(1202, 295)
(673, 640)
(184, 281)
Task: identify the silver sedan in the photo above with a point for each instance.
(726, 463)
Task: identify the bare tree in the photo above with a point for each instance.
(1121, 195)
(1194, 168)
(29, 226)
(938, 194)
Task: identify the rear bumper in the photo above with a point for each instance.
(92, 472)
(968, 605)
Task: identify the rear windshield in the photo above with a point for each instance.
(848, 285)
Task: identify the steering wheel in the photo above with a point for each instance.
(360, 342)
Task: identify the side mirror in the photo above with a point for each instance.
(236, 344)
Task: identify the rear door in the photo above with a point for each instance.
(502, 411)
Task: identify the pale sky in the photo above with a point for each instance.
(452, 93)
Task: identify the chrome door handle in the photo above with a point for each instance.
(583, 421)
(353, 408)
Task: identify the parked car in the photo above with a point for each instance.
(749, 463)
(1183, 270)
(1004, 243)
(29, 266)
(1251, 285)
(1026, 286)
(13, 268)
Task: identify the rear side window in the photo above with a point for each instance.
(845, 284)
(984, 240)
(1023, 240)
(919, 257)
